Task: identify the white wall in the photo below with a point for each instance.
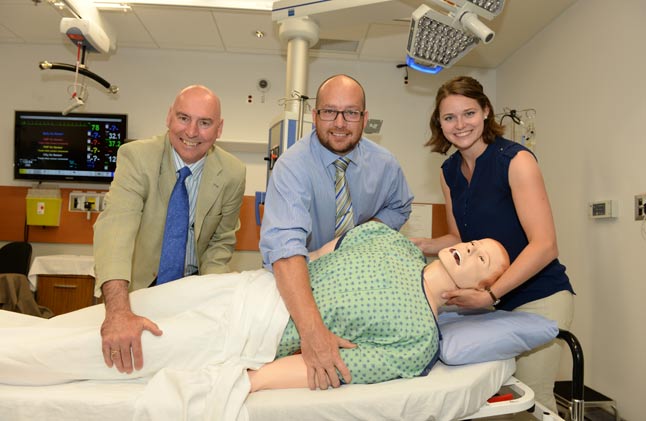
(149, 79)
(584, 74)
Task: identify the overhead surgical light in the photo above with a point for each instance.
(438, 40)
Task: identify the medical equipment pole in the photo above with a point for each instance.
(301, 114)
(299, 126)
(300, 34)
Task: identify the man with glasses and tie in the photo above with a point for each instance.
(328, 182)
(172, 210)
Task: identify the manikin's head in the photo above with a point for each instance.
(476, 264)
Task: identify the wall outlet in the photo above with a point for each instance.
(86, 201)
(640, 206)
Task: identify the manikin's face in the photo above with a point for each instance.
(338, 135)
(462, 121)
(194, 123)
(470, 263)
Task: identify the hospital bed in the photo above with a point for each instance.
(446, 393)
(226, 327)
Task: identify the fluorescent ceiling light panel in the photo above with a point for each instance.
(224, 4)
(124, 7)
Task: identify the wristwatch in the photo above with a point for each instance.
(496, 300)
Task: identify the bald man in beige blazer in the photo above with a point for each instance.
(129, 232)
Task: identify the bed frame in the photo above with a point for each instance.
(444, 389)
(539, 412)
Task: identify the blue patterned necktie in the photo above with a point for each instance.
(173, 253)
(344, 213)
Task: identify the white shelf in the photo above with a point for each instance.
(242, 146)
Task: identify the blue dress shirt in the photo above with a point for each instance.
(300, 208)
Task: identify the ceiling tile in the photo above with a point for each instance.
(238, 31)
(7, 36)
(179, 27)
(37, 23)
(355, 32)
(386, 41)
(129, 30)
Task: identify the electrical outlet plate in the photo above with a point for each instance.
(640, 206)
(80, 201)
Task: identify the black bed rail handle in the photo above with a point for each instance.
(577, 409)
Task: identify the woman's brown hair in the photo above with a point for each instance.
(470, 88)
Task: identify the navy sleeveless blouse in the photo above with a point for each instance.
(485, 209)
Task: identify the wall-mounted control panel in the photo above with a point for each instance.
(603, 209)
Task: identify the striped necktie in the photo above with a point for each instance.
(173, 253)
(344, 213)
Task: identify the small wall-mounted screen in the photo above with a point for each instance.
(73, 147)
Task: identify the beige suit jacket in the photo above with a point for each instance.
(128, 234)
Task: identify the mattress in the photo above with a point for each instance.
(446, 393)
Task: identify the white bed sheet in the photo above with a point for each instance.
(447, 393)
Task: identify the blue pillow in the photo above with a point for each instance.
(490, 336)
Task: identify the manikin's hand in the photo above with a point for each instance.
(121, 339)
(468, 298)
(320, 349)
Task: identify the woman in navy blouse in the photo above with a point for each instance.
(493, 188)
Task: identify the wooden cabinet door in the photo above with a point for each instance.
(65, 293)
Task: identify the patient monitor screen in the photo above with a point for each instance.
(74, 147)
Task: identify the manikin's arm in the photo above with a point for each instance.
(291, 371)
(327, 248)
(283, 373)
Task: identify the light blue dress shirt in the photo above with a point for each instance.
(300, 209)
(192, 185)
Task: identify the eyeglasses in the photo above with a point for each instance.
(351, 116)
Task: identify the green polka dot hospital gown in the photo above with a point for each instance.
(370, 291)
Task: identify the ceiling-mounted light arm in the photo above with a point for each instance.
(45, 65)
(87, 25)
(487, 9)
(471, 22)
